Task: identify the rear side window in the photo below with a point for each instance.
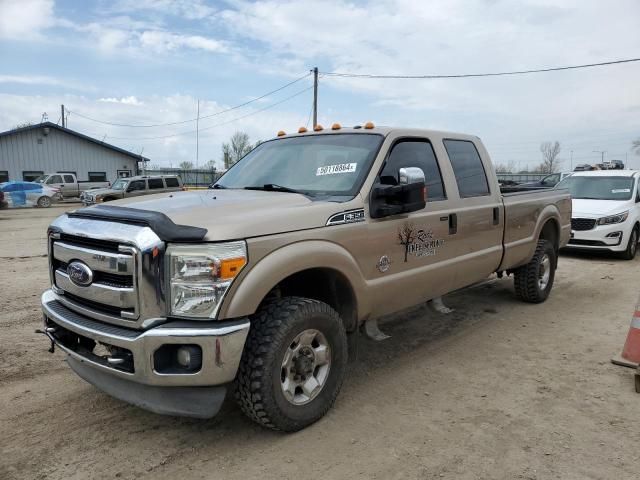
(68, 179)
(467, 167)
(155, 183)
(415, 153)
(172, 182)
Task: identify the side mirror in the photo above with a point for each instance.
(408, 196)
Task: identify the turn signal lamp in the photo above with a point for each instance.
(282, 133)
(318, 128)
(336, 126)
(230, 267)
(369, 125)
(302, 130)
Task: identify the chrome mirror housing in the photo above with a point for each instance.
(409, 175)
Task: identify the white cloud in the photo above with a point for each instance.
(160, 41)
(189, 9)
(25, 19)
(130, 100)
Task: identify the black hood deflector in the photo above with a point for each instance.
(162, 225)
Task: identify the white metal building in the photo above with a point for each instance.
(26, 153)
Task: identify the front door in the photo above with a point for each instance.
(407, 261)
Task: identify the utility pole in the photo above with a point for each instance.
(571, 164)
(601, 152)
(315, 96)
(197, 140)
(64, 123)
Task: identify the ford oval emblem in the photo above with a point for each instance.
(80, 274)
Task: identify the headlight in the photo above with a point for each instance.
(617, 218)
(200, 275)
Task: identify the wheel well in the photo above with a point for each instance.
(324, 284)
(551, 232)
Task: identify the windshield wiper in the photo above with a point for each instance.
(273, 187)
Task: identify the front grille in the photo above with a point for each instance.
(583, 223)
(97, 306)
(103, 278)
(93, 243)
(589, 243)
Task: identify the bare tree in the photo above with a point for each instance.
(635, 146)
(507, 167)
(550, 161)
(238, 146)
(406, 236)
(186, 165)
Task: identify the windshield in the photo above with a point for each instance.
(40, 179)
(599, 188)
(119, 184)
(315, 165)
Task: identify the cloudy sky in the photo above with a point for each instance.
(147, 62)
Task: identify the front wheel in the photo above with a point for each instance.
(632, 245)
(293, 363)
(533, 281)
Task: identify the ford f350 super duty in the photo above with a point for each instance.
(254, 286)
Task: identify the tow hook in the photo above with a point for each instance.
(48, 332)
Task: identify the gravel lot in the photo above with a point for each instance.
(498, 389)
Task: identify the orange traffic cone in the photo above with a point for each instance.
(630, 356)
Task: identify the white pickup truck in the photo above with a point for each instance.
(68, 184)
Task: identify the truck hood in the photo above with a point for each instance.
(583, 207)
(102, 191)
(235, 214)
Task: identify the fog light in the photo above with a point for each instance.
(177, 359)
(189, 357)
(614, 234)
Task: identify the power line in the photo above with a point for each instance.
(491, 74)
(194, 119)
(217, 124)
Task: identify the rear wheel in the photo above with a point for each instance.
(632, 245)
(533, 281)
(44, 202)
(293, 363)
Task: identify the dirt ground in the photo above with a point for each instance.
(498, 389)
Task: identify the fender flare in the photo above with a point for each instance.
(244, 298)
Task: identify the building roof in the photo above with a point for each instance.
(75, 134)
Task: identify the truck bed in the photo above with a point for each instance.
(525, 212)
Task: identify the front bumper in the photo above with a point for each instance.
(137, 380)
(600, 237)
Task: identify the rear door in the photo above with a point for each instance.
(69, 186)
(477, 219)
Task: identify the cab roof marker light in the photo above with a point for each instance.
(369, 125)
(336, 126)
(318, 128)
(302, 130)
(282, 133)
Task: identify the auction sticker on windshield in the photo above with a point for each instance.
(340, 168)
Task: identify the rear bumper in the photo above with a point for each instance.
(138, 380)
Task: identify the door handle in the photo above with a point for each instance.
(453, 223)
(496, 215)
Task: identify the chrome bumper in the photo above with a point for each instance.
(222, 345)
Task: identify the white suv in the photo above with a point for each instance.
(606, 210)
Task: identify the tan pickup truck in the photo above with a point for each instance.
(255, 286)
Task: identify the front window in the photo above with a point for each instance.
(119, 184)
(598, 188)
(315, 165)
